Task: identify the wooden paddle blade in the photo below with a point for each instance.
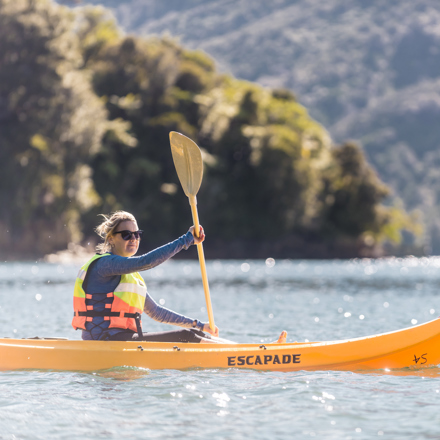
(187, 159)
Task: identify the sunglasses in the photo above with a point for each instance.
(128, 235)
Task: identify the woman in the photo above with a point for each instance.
(110, 294)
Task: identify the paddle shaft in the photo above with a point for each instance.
(195, 215)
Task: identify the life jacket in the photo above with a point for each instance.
(125, 308)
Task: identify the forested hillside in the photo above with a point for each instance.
(368, 70)
(85, 113)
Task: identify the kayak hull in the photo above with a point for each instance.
(415, 347)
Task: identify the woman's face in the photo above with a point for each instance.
(124, 248)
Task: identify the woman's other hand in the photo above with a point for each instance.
(207, 329)
(201, 236)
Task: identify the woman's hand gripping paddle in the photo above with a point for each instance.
(189, 166)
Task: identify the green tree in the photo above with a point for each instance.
(269, 153)
(51, 122)
(353, 199)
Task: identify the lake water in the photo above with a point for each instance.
(252, 302)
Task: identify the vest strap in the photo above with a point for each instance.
(95, 313)
(90, 314)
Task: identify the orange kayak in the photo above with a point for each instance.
(413, 347)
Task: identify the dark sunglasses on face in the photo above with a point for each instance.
(127, 235)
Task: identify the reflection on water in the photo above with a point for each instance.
(126, 374)
(123, 374)
(429, 372)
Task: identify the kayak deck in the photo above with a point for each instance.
(415, 347)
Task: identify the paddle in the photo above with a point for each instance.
(187, 159)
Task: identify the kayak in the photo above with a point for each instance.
(414, 347)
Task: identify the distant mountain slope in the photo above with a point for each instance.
(365, 69)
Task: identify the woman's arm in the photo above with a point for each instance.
(162, 314)
(116, 265)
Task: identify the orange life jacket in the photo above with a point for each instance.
(125, 309)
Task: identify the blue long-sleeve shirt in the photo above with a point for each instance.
(104, 275)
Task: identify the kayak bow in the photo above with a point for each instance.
(415, 347)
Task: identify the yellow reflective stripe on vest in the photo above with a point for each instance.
(78, 290)
(132, 290)
(131, 287)
(81, 274)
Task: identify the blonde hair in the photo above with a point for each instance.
(107, 227)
